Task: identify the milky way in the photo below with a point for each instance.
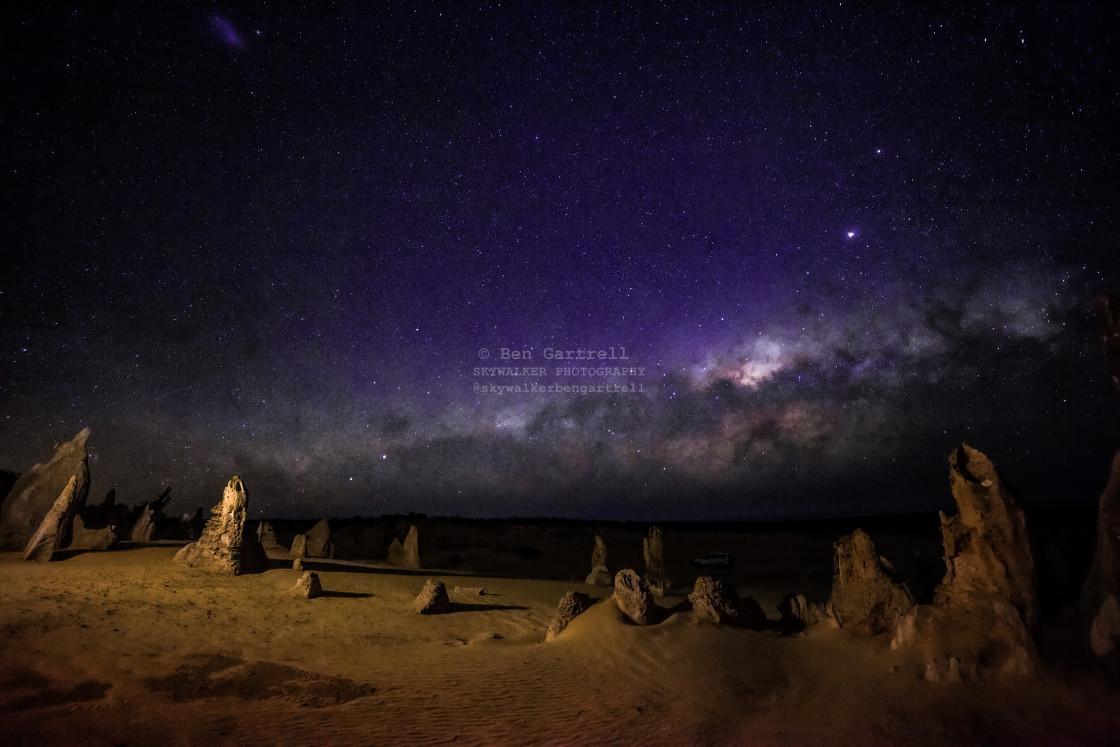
(226, 32)
(832, 242)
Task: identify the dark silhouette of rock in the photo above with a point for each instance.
(145, 527)
(796, 608)
(266, 535)
(83, 537)
(751, 614)
(198, 523)
(225, 546)
(1104, 630)
(714, 599)
(572, 605)
(979, 625)
(103, 514)
(319, 540)
(653, 551)
(54, 530)
(432, 599)
(121, 521)
(95, 527)
(863, 597)
(412, 548)
(315, 542)
(7, 482)
(1098, 608)
(633, 597)
(35, 493)
(1100, 595)
(396, 552)
(1108, 309)
(185, 528)
(406, 555)
(307, 586)
(600, 575)
(599, 553)
(149, 518)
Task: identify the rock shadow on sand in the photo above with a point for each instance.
(207, 676)
(470, 607)
(30, 690)
(351, 566)
(346, 594)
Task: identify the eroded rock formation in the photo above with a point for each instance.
(318, 541)
(864, 598)
(7, 482)
(225, 546)
(406, 555)
(714, 599)
(83, 537)
(307, 586)
(653, 551)
(96, 527)
(600, 575)
(633, 597)
(198, 523)
(36, 492)
(572, 605)
(315, 542)
(987, 549)
(53, 532)
(432, 599)
(190, 525)
(979, 625)
(987, 640)
(412, 548)
(797, 608)
(266, 535)
(151, 514)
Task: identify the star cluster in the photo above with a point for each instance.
(836, 241)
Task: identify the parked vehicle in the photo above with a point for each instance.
(713, 560)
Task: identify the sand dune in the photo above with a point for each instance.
(125, 647)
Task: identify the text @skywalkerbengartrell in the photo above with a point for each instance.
(532, 387)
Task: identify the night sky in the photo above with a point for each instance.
(831, 242)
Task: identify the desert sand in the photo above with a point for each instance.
(126, 647)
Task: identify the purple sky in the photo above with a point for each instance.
(272, 241)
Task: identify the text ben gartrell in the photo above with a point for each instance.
(555, 354)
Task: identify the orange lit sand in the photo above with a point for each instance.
(125, 647)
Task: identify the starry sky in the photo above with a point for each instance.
(353, 251)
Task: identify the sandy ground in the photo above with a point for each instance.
(125, 647)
